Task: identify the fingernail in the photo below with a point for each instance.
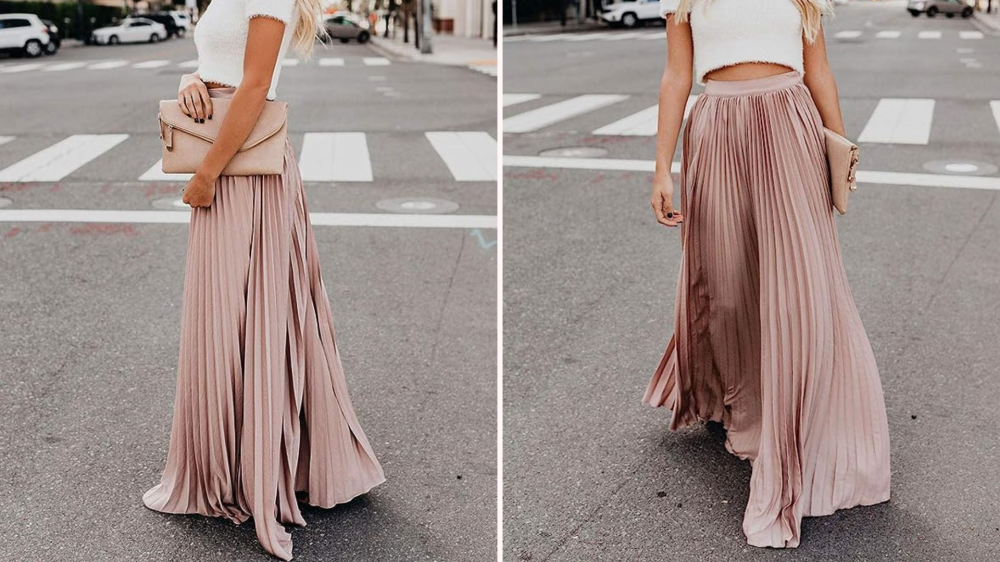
(209, 116)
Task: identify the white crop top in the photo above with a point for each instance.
(728, 32)
(221, 38)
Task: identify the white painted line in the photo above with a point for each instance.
(107, 65)
(654, 36)
(515, 39)
(151, 64)
(61, 159)
(21, 67)
(965, 50)
(550, 114)
(622, 36)
(847, 34)
(189, 64)
(183, 217)
(888, 35)
(546, 38)
(863, 176)
(970, 34)
(376, 61)
(331, 61)
(900, 121)
(471, 156)
(5, 140)
(995, 106)
(335, 157)
(514, 99)
(584, 36)
(156, 173)
(929, 35)
(641, 124)
(290, 62)
(63, 66)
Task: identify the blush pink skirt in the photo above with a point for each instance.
(767, 337)
(262, 415)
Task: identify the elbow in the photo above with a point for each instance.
(255, 86)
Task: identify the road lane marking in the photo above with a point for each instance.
(888, 34)
(5, 140)
(551, 114)
(61, 159)
(514, 99)
(290, 62)
(189, 64)
(515, 39)
(156, 173)
(331, 61)
(584, 36)
(63, 66)
(21, 67)
(899, 121)
(652, 36)
(317, 219)
(847, 34)
(641, 124)
(335, 157)
(929, 35)
(107, 65)
(995, 106)
(376, 61)
(622, 36)
(863, 176)
(970, 34)
(545, 38)
(151, 64)
(470, 156)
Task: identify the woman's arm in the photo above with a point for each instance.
(819, 79)
(264, 37)
(675, 87)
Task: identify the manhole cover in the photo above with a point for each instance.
(575, 152)
(4, 202)
(960, 167)
(415, 205)
(170, 204)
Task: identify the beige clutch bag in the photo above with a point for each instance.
(185, 143)
(842, 156)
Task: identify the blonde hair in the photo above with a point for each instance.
(812, 11)
(308, 27)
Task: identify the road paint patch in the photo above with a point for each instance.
(156, 173)
(61, 159)
(550, 114)
(970, 34)
(189, 64)
(290, 62)
(107, 65)
(899, 121)
(388, 220)
(641, 124)
(151, 64)
(514, 99)
(376, 61)
(64, 66)
(331, 61)
(21, 67)
(888, 34)
(335, 157)
(5, 140)
(847, 34)
(470, 156)
(995, 107)
(483, 243)
(929, 35)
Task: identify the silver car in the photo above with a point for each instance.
(345, 26)
(932, 8)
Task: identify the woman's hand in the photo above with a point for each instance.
(192, 96)
(662, 201)
(200, 191)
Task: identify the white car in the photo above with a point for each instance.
(632, 13)
(23, 34)
(182, 19)
(131, 30)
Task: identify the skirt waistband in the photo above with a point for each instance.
(753, 85)
(226, 92)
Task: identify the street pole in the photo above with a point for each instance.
(425, 27)
(513, 13)
(79, 20)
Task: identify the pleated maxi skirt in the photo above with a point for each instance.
(262, 415)
(767, 338)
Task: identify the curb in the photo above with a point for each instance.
(411, 54)
(991, 21)
(576, 28)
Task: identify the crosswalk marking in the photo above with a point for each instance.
(847, 34)
(550, 114)
(63, 66)
(156, 173)
(584, 36)
(641, 124)
(189, 64)
(654, 36)
(151, 64)
(61, 159)
(331, 61)
(335, 157)
(514, 99)
(624, 36)
(651, 36)
(888, 34)
(470, 156)
(5, 140)
(546, 38)
(290, 62)
(902, 121)
(376, 61)
(21, 67)
(970, 34)
(929, 35)
(107, 65)
(995, 106)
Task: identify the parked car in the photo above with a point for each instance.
(934, 7)
(182, 20)
(346, 26)
(130, 30)
(632, 13)
(168, 22)
(55, 41)
(23, 34)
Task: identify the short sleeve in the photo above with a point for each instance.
(278, 9)
(668, 7)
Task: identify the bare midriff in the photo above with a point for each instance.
(747, 71)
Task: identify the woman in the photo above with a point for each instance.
(767, 337)
(262, 410)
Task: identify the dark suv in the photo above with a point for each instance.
(168, 21)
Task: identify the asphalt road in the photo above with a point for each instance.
(589, 280)
(91, 311)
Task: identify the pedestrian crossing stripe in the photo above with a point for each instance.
(929, 35)
(899, 121)
(469, 156)
(151, 64)
(108, 65)
(161, 63)
(550, 114)
(331, 61)
(643, 123)
(514, 99)
(610, 35)
(995, 106)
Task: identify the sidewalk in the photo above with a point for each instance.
(991, 21)
(447, 50)
(546, 27)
